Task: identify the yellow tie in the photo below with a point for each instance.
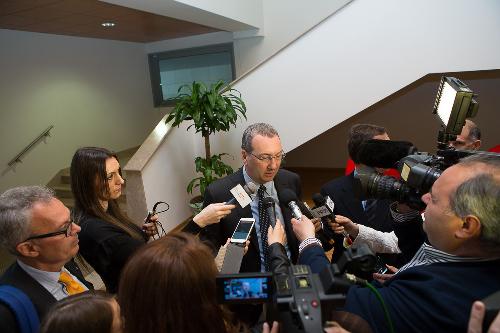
(72, 286)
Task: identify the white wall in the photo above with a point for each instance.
(362, 54)
(167, 173)
(95, 92)
(284, 21)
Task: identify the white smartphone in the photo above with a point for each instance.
(243, 230)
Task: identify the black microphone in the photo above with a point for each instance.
(324, 208)
(327, 205)
(305, 210)
(384, 153)
(321, 202)
(250, 188)
(268, 203)
(290, 198)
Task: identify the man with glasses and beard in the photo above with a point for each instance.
(36, 228)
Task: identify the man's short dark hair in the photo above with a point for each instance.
(360, 133)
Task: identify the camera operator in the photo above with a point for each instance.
(380, 214)
(435, 290)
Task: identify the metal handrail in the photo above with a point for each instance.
(44, 134)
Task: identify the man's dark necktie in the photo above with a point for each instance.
(264, 225)
(370, 209)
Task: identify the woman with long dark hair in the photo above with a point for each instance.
(108, 237)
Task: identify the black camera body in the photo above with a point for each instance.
(296, 296)
(418, 172)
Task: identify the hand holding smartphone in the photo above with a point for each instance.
(242, 232)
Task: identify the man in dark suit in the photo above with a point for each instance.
(262, 154)
(372, 213)
(36, 228)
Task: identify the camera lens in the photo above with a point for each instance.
(386, 187)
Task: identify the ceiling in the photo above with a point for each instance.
(84, 18)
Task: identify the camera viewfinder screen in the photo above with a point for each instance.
(256, 288)
(243, 230)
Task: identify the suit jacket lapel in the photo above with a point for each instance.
(41, 298)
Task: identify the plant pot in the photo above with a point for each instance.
(196, 204)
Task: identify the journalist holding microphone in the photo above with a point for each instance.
(108, 237)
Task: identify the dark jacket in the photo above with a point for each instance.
(432, 298)
(41, 298)
(106, 248)
(217, 234)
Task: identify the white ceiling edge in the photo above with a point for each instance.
(227, 15)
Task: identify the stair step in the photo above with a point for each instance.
(63, 191)
(68, 202)
(65, 178)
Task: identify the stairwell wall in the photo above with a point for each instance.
(95, 93)
(359, 56)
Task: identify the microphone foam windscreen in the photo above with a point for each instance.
(287, 195)
(384, 153)
(268, 202)
(318, 199)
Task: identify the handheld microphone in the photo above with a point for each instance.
(290, 198)
(250, 189)
(384, 153)
(269, 207)
(326, 205)
(305, 210)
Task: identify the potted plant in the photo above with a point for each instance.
(212, 110)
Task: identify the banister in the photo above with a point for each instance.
(44, 134)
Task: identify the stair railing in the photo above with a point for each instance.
(42, 136)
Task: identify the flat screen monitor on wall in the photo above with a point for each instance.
(173, 69)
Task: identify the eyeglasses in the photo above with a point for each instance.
(66, 231)
(269, 158)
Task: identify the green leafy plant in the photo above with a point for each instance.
(212, 110)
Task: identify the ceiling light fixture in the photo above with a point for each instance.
(108, 24)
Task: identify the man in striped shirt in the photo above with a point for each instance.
(435, 290)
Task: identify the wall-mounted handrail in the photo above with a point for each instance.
(44, 134)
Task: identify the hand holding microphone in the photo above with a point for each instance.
(326, 205)
(303, 228)
(276, 234)
(342, 224)
(213, 213)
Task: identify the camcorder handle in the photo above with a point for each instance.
(298, 300)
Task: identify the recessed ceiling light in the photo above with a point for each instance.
(108, 24)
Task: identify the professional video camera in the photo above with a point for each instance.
(297, 295)
(419, 170)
